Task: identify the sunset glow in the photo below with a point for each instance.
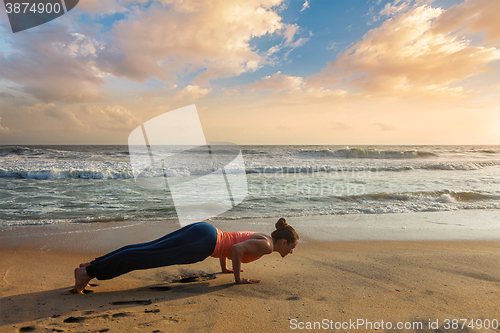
(259, 72)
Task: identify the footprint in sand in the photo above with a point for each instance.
(139, 301)
(196, 278)
(74, 319)
(169, 320)
(120, 315)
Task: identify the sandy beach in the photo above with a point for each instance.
(325, 285)
(371, 126)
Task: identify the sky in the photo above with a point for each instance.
(336, 72)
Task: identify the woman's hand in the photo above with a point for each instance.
(255, 247)
(248, 281)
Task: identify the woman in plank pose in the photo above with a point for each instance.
(192, 243)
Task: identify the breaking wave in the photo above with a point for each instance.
(364, 153)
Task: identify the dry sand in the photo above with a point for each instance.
(326, 282)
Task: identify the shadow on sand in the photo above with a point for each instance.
(51, 303)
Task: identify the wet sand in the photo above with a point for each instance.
(331, 283)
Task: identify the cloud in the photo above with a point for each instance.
(324, 94)
(42, 108)
(405, 57)
(277, 82)
(40, 122)
(289, 32)
(114, 117)
(273, 50)
(208, 38)
(162, 40)
(473, 15)
(52, 123)
(6, 95)
(53, 66)
(332, 46)
(58, 114)
(394, 8)
(385, 127)
(288, 89)
(98, 7)
(391, 9)
(85, 118)
(3, 129)
(338, 126)
(305, 5)
(190, 92)
(79, 46)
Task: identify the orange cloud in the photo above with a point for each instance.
(190, 92)
(292, 90)
(211, 38)
(114, 117)
(277, 82)
(385, 127)
(98, 7)
(405, 57)
(52, 114)
(3, 129)
(168, 40)
(57, 66)
(474, 15)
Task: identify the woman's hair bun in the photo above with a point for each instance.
(285, 231)
(281, 224)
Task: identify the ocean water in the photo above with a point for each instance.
(66, 184)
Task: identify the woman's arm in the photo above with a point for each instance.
(255, 247)
(223, 266)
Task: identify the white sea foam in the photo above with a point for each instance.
(365, 153)
(41, 185)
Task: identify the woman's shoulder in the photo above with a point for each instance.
(260, 235)
(265, 241)
(257, 245)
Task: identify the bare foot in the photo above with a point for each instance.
(85, 264)
(82, 279)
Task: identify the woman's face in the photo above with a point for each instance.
(286, 248)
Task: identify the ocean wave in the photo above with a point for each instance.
(344, 170)
(415, 208)
(87, 219)
(93, 219)
(436, 196)
(45, 174)
(460, 165)
(19, 150)
(308, 169)
(61, 152)
(372, 209)
(353, 153)
(104, 172)
(35, 151)
(125, 173)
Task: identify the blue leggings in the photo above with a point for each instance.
(192, 243)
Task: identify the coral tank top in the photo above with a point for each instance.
(225, 242)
